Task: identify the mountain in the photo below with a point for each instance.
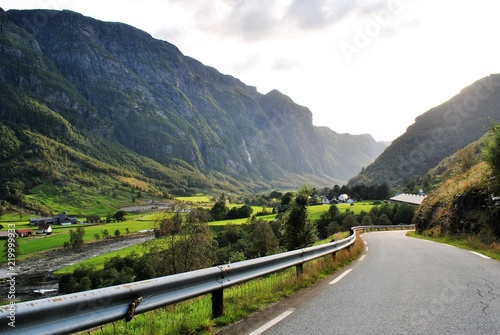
(436, 134)
(83, 99)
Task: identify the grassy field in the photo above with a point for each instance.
(197, 199)
(316, 211)
(60, 234)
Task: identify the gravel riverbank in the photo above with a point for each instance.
(36, 272)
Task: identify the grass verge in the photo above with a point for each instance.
(471, 243)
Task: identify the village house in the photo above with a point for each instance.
(343, 197)
(25, 232)
(44, 228)
(325, 201)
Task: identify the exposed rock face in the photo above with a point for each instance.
(112, 82)
(469, 213)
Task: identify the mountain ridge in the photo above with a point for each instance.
(113, 86)
(436, 134)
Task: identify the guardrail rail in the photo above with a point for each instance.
(74, 312)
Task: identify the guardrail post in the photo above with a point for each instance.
(299, 268)
(217, 303)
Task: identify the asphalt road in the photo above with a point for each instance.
(400, 285)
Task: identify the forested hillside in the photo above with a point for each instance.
(84, 103)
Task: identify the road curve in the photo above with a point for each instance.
(400, 285)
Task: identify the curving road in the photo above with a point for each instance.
(400, 285)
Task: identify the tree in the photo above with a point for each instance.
(198, 215)
(169, 225)
(120, 216)
(298, 230)
(384, 220)
(264, 241)
(491, 155)
(404, 214)
(76, 237)
(239, 212)
(366, 221)
(193, 248)
(219, 210)
(349, 221)
(332, 228)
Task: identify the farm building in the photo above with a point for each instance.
(414, 199)
(25, 232)
(59, 219)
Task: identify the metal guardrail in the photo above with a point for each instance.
(74, 312)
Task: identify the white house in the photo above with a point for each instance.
(343, 197)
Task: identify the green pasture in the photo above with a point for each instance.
(197, 199)
(81, 201)
(316, 211)
(60, 234)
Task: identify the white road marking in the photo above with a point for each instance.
(480, 255)
(361, 258)
(365, 242)
(271, 323)
(367, 248)
(339, 278)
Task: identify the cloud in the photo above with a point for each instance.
(249, 20)
(250, 63)
(318, 13)
(284, 64)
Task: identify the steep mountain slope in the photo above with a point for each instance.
(437, 134)
(83, 96)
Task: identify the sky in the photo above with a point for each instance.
(360, 66)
